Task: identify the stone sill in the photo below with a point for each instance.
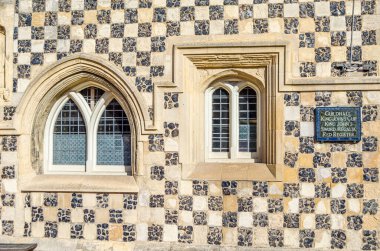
(232, 171)
(81, 183)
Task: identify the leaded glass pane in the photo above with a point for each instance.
(92, 95)
(114, 137)
(220, 121)
(69, 139)
(247, 120)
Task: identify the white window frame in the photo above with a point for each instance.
(91, 120)
(233, 87)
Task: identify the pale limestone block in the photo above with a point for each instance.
(371, 97)
(214, 188)
(143, 198)
(214, 218)
(156, 186)
(145, 72)
(38, 229)
(371, 22)
(354, 206)
(216, 2)
(356, 38)
(322, 239)
(64, 18)
(142, 232)
(64, 230)
(130, 216)
(276, 220)
(8, 213)
(24, 32)
(339, 98)
(36, 199)
(77, 32)
(216, 27)
(229, 236)
(291, 238)
(77, 5)
(146, 15)
(102, 215)
(185, 218)
(202, 13)
(37, 46)
(231, 12)
(143, 214)
(117, 16)
(131, 30)
(28, 214)
(260, 205)
(357, 8)
(275, 25)
(132, 4)
(260, 11)
(186, 187)
(337, 221)
(274, 189)
(293, 205)
(292, 113)
(104, 30)
(200, 234)
(63, 45)
(338, 190)
(244, 188)
(24, 58)
(22, 84)
(25, 6)
(306, 54)
(77, 215)
(307, 25)
(50, 32)
(245, 26)
(104, 4)
(157, 216)
(323, 173)
(129, 58)
(308, 221)
(338, 53)
(172, 14)
(323, 69)
(322, 9)
(200, 202)
(183, 2)
(291, 10)
(371, 52)
(9, 185)
(322, 39)
(89, 200)
(307, 190)
(322, 207)
(354, 240)
(143, 44)
(307, 129)
(173, 173)
(245, 219)
(170, 233)
(170, 145)
(88, 45)
(260, 237)
(337, 23)
(245, 2)
(116, 201)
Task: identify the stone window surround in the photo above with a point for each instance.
(36, 104)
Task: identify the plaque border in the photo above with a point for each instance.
(337, 139)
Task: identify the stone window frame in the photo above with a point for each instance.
(92, 118)
(234, 155)
(195, 68)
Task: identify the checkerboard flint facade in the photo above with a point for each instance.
(328, 197)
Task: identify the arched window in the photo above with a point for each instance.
(88, 132)
(232, 114)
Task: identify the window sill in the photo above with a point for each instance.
(81, 183)
(232, 171)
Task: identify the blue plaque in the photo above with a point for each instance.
(338, 124)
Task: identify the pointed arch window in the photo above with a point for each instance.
(88, 131)
(232, 115)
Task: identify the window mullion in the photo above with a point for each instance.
(234, 131)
